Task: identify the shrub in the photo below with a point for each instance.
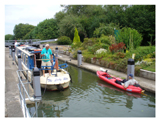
(64, 40)
(89, 42)
(117, 47)
(101, 53)
(129, 36)
(104, 39)
(107, 39)
(76, 38)
(76, 45)
(93, 48)
(104, 46)
(120, 55)
(107, 29)
(141, 52)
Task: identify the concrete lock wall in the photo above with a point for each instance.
(147, 74)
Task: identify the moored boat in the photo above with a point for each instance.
(112, 80)
(57, 81)
(30, 58)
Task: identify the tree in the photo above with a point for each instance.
(131, 37)
(47, 29)
(76, 37)
(60, 15)
(142, 18)
(8, 36)
(68, 24)
(107, 29)
(89, 17)
(21, 30)
(30, 35)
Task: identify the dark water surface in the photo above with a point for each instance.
(88, 96)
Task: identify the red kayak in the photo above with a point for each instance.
(111, 80)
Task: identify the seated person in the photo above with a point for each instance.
(131, 81)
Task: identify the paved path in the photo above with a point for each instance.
(12, 103)
(147, 84)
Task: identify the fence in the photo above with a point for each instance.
(24, 92)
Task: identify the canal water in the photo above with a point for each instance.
(88, 96)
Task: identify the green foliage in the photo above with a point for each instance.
(64, 40)
(142, 51)
(8, 36)
(76, 41)
(29, 35)
(150, 67)
(76, 38)
(68, 24)
(21, 30)
(129, 36)
(48, 29)
(94, 48)
(105, 46)
(107, 39)
(101, 55)
(60, 15)
(137, 16)
(93, 21)
(107, 29)
(89, 42)
(87, 56)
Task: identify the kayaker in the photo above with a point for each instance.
(131, 81)
(46, 54)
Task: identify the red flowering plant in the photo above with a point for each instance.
(117, 47)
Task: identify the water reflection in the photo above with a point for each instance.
(129, 102)
(88, 96)
(52, 104)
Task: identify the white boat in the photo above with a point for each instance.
(30, 58)
(57, 81)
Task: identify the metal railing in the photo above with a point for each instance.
(24, 93)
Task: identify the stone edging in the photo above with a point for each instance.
(143, 73)
(147, 74)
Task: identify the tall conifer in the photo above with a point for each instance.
(76, 38)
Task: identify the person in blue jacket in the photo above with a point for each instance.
(46, 53)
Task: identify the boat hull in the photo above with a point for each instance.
(54, 87)
(53, 82)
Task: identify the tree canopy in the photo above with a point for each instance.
(8, 36)
(92, 20)
(21, 30)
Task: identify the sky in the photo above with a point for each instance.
(35, 11)
(31, 14)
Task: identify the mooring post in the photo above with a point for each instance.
(36, 84)
(56, 51)
(10, 51)
(79, 58)
(19, 62)
(130, 67)
(56, 59)
(13, 54)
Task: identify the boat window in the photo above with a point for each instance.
(26, 59)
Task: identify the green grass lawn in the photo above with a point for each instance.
(150, 68)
